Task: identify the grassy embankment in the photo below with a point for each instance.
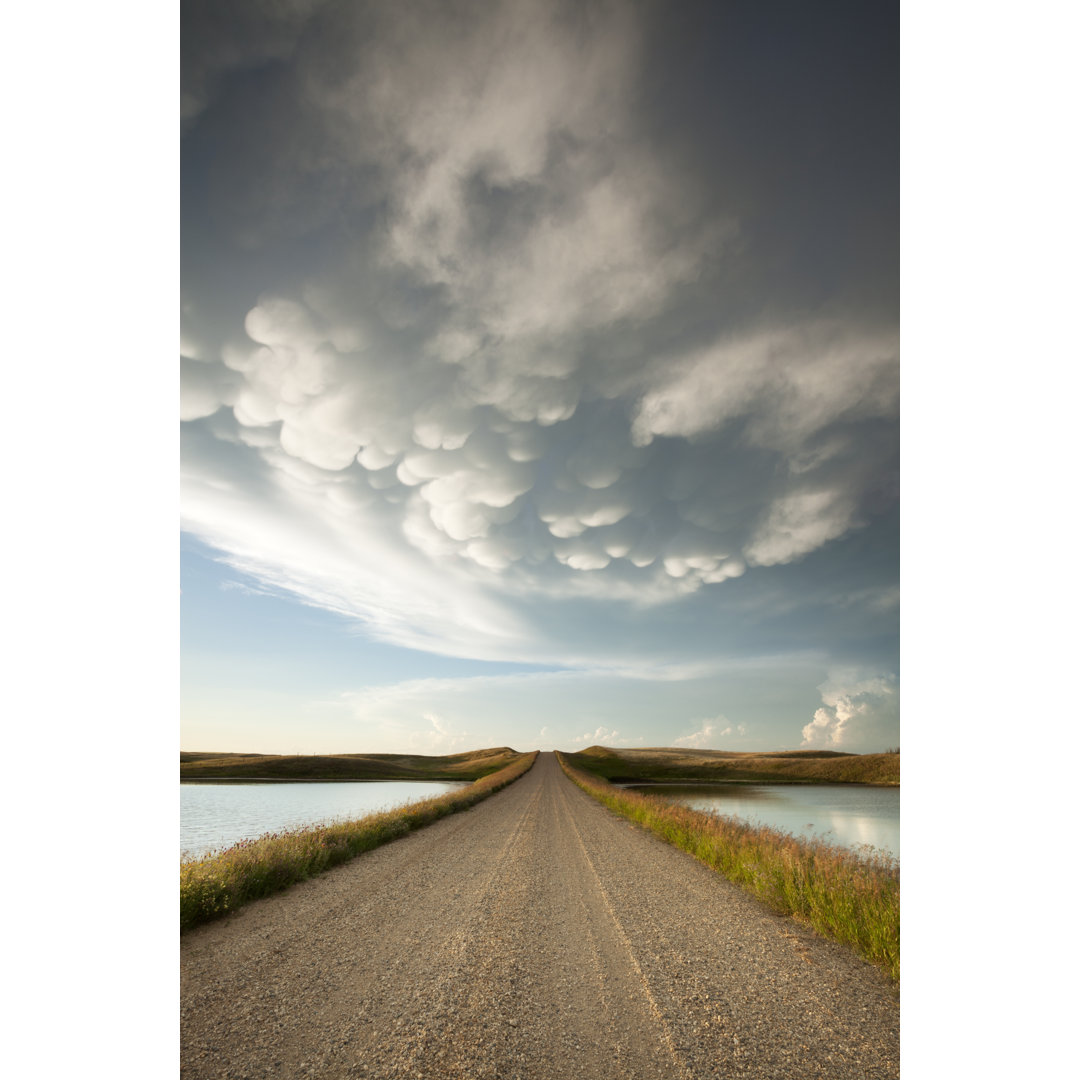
(224, 881)
(472, 765)
(851, 898)
(724, 766)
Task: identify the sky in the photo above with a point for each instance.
(539, 376)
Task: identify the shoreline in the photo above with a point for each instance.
(218, 884)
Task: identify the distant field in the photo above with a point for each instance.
(788, 766)
(654, 763)
(467, 766)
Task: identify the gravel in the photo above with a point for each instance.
(537, 935)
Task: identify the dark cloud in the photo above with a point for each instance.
(788, 114)
(223, 37)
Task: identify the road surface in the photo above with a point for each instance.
(537, 935)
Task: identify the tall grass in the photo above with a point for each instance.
(851, 898)
(226, 880)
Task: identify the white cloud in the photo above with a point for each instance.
(604, 736)
(710, 733)
(791, 381)
(799, 523)
(702, 737)
(857, 713)
(598, 737)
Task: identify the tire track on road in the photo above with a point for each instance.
(620, 937)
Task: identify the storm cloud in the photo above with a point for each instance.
(546, 332)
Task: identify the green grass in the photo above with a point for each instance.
(726, 766)
(472, 765)
(851, 898)
(226, 880)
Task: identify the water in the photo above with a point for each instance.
(850, 816)
(218, 815)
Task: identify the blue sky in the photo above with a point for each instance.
(539, 376)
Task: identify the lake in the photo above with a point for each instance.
(853, 816)
(218, 815)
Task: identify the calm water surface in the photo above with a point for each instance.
(851, 816)
(218, 815)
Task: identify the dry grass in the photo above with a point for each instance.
(472, 765)
(851, 898)
(226, 880)
(724, 766)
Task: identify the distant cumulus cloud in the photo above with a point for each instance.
(486, 354)
(710, 732)
(857, 713)
(603, 736)
(577, 707)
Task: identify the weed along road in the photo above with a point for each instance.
(536, 935)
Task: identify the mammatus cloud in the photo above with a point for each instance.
(855, 713)
(370, 449)
(482, 394)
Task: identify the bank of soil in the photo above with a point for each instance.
(535, 936)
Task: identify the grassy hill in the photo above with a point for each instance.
(471, 765)
(721, 766)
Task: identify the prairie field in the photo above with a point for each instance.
(471, 765)
(725, 766)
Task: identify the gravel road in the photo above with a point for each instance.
(537, 935)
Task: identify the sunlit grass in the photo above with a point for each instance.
(623, 764)
(471, 765)
(850, 897)
(219, 883)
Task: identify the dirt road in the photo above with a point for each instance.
(535, 936)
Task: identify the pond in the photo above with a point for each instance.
(216, 815)
(851, 815)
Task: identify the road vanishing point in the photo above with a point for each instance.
(536, 936)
